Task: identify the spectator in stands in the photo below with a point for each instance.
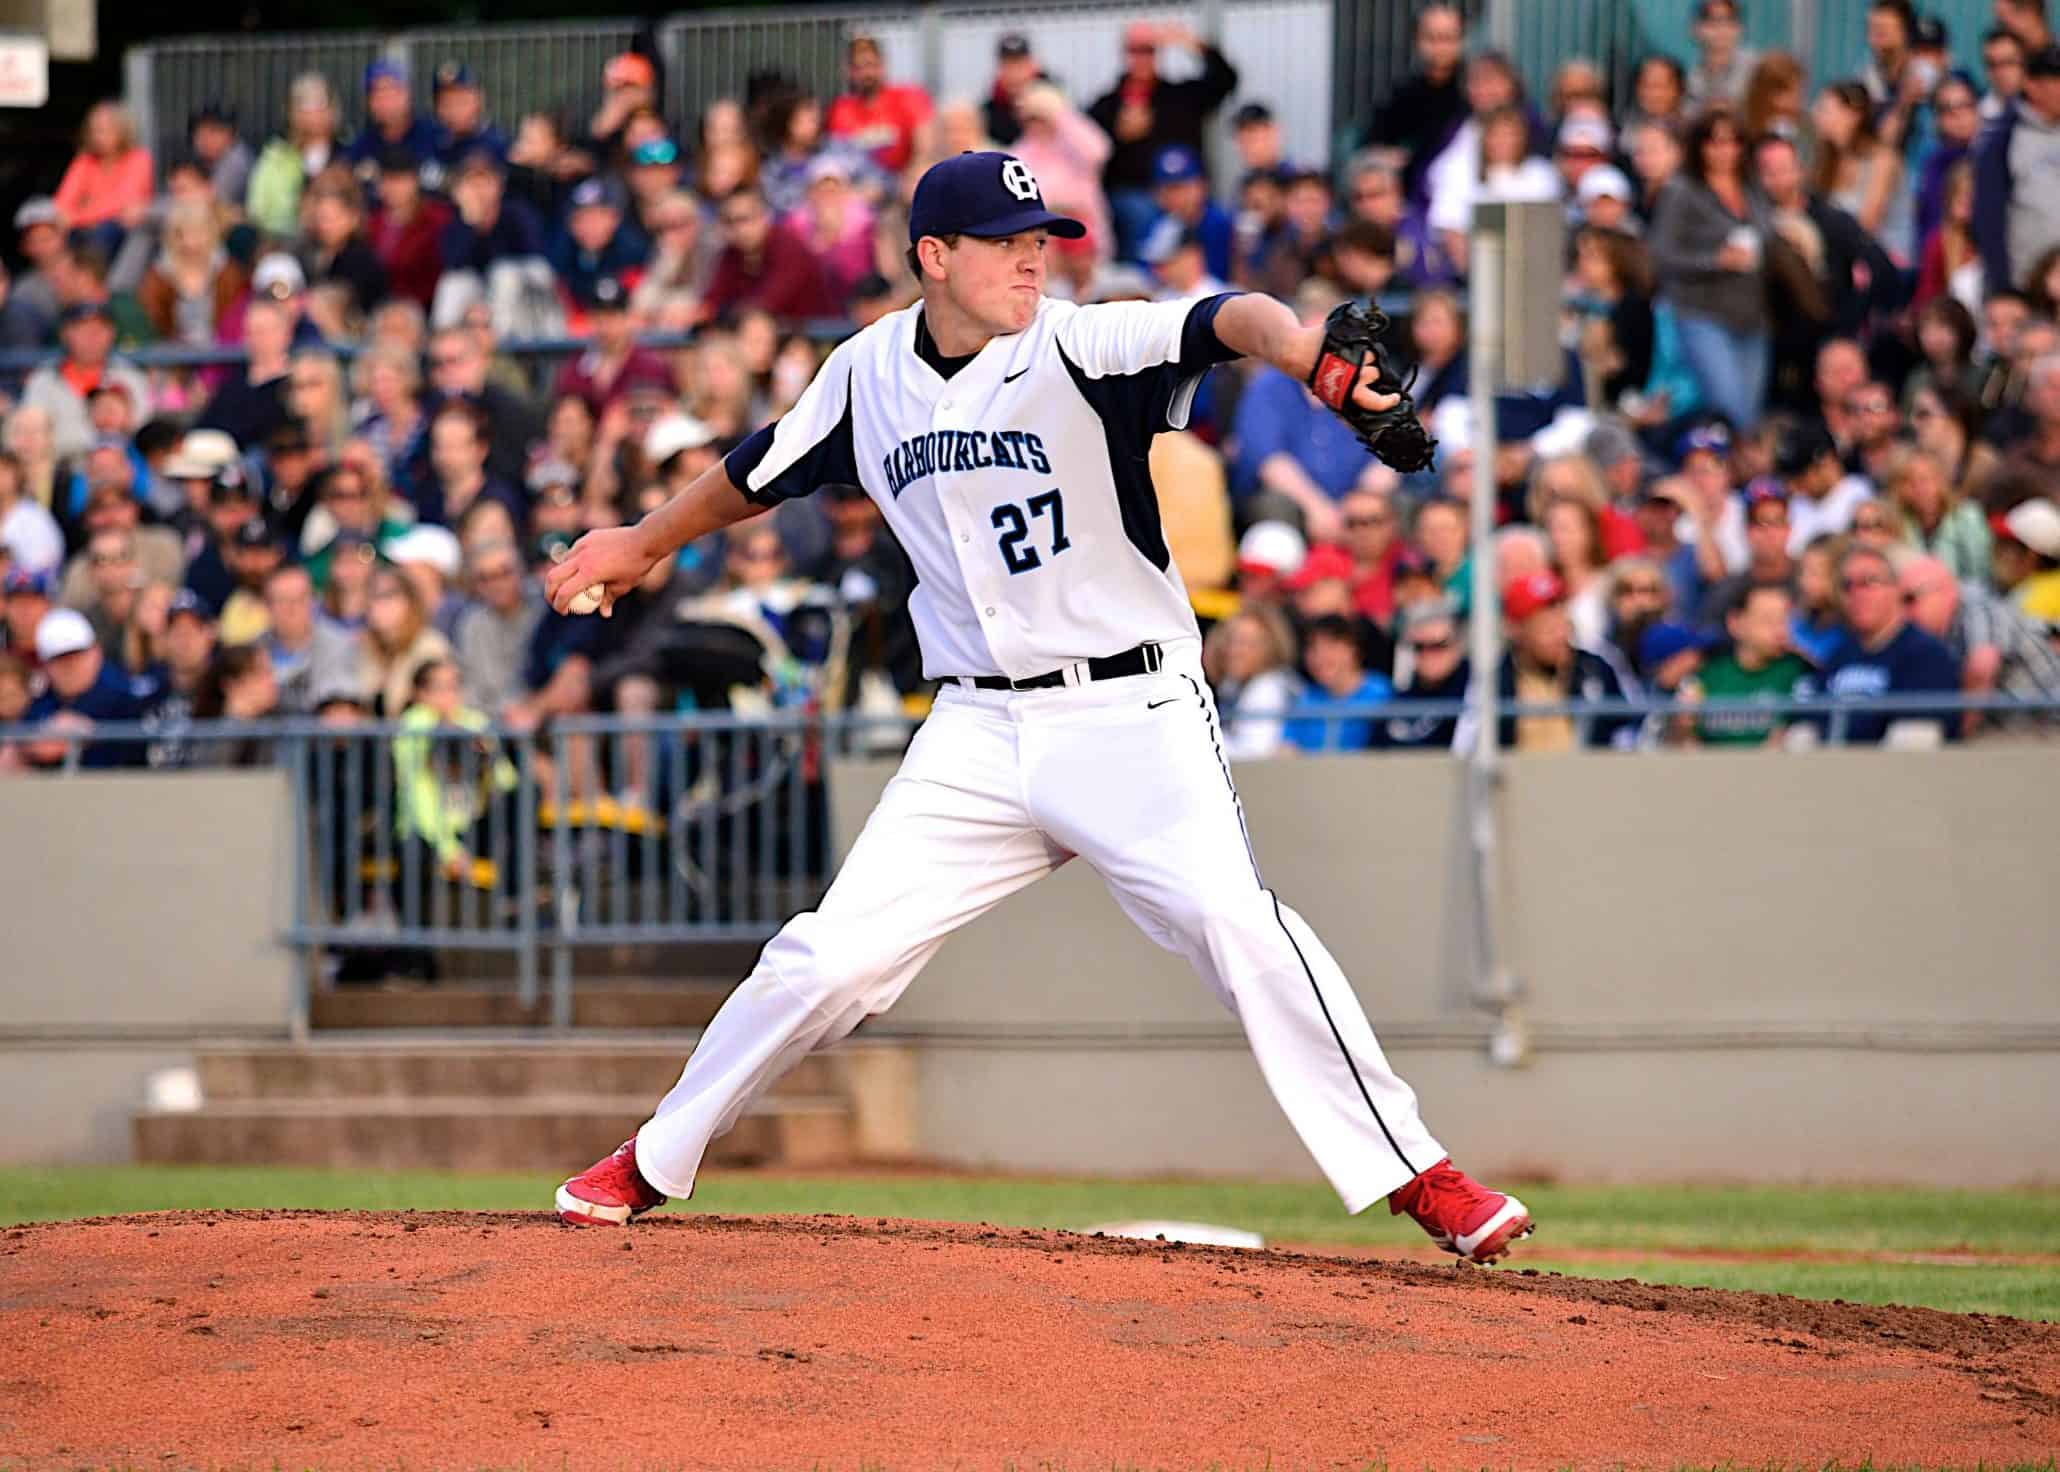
(32, 303)
(2016, 207)
(1437, 330)
(242, 687)
(1860, 172)
(250, 406)
(1656, 160)
(254, 554)
(2027, 555)
(1614, 280)
(308, 653)
(458, 372)
(1758, 665)
(335, 250)
(1722, 66)
(1887, 655)
(462, 126)
(1768, 562)
(188, 290)
(28, 531)
(2026, 20)
(763, 267)
(1638, 598)
(452, 787)
(1338, 679)
(84, 689)
(2002, 63)
(398, 641)
(1249, 659)
(1452, 179)
(1066, 152)
(288, 164)
(1299, 247)
(1659, 93)
(1897, 84)
(460, 470)
(1371, 537)
(630, 86)
(597, 241)
(106, 191)
(1416, 120)
(1775, 102)
(613, 364)
(835, 224)
(682, 261)
(494, 248)
(495, 631)
(1999, 649)
(223, 157)
(111, 510)
(1180, 189)
(1430, 667)
(407, 230)
(1935, 520)
(1255, 134)
(887, 119)
(1509, 173)
(1568, 500)
(1144, 115)
(1708, 241)
(1957, 120)
(86, 332)
(1016, 70)
(388, 413)
(114, 582)
(347, 580)
(1542, 666)
(389, 120)
(27, 598)
(14, 704)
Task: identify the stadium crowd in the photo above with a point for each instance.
(1806, 439)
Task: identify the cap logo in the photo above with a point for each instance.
(1017, 179)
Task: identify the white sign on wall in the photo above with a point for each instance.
(24, 71)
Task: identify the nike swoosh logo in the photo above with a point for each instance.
(1012, 377)
(1154, 705)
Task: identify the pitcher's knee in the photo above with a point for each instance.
(826, 964)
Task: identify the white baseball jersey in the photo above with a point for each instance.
(1019, 487)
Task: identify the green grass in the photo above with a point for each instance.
(1658, 1221)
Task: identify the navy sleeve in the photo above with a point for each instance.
(831, 461)
(1200, 347)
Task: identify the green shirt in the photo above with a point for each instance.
(1724, 678)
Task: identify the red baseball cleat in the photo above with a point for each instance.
(610, 1192)
(1461, 1215)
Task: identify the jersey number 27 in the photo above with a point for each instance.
(1014, 527)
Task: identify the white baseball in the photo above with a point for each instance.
(587, 600)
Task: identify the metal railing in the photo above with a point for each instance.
(606, 830)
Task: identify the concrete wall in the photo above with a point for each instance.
(1738, 966)
(139, 912)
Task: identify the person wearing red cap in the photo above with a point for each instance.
(1322, 588)
(887, 119)
(632, 84)
(1543, 666)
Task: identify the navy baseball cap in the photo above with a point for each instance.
(454, 74)
(983, 194)
(383, 70)
(1176, 165)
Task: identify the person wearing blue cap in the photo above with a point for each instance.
(1005, 439)
(389, 119)
(462, 126)
(1180, 188)
(597, 239)
(1144, 114)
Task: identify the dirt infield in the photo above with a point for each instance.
(334, 1340)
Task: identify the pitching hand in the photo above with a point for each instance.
(614, 557)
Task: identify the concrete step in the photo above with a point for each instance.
(639, 1067)
(684, 1004)
(549, 1133)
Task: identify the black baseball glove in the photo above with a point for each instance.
(1352, 339)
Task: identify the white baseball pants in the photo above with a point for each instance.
(998, 789)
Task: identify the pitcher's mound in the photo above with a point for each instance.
(351, 1340)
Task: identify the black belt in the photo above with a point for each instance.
(1145, 659)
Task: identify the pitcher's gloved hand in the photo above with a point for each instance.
(1352, 356)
